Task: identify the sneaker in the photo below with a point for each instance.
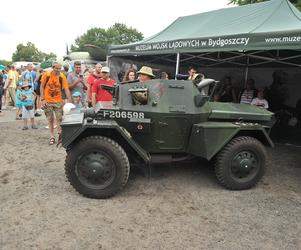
(34, 127)
(25, 128)
(37, 114)
(47, 127)
(14, 108)
(4, 108)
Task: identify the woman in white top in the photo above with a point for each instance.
(259, 100)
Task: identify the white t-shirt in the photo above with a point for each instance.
(262, 103)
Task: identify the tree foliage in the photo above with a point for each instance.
(120, 34)
(297, 3)
(117, 34)
(30, 53)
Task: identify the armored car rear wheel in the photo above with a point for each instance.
(97, 167)
(241, 163)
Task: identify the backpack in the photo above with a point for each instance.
(61, 83)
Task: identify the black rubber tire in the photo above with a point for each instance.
(226, 162)
(115, 158)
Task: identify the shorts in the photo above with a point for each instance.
(27, 114)
(54, 108)
(37, 90)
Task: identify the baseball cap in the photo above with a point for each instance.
(105, 69)
(77, 93)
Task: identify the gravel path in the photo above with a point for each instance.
(180, 207)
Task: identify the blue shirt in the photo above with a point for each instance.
(27, 76)
(18, 100)
(34, 75)
(29, 97)
(78, 107)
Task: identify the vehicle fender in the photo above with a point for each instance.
(103, 128)
(208, 138)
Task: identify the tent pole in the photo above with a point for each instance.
(247, 71)
(177, 65)
(108, 62)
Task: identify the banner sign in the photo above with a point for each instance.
(241, 42)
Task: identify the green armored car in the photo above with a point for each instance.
(163, 119)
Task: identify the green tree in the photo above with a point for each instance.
(116, 34)
(95, 36)
(297, 3)
(120, 34)
(47, 57)
(30, 53)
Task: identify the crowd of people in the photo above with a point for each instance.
(225, 91)
(33, 91)
(248, 95)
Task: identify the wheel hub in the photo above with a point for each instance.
(244, 165)
(95, 169)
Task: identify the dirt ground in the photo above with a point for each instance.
(180, 207)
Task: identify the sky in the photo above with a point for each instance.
(50, 25)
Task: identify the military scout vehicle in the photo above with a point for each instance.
(163, 119)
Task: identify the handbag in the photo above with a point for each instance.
(28, 107)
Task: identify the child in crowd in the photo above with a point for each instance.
(19, 102)
(75, 106)
(259, 100)
(77, 100)
(27, 98)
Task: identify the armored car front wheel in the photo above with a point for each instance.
(241, 163)
(97, 167)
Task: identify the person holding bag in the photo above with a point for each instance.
(27, 98)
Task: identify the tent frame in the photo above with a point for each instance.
(244, 59)
(237, 54)
(285, 60)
